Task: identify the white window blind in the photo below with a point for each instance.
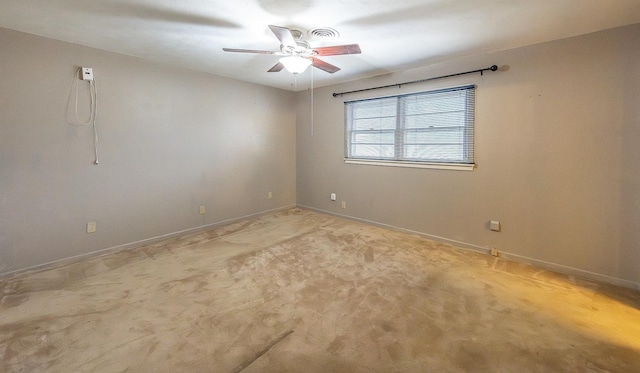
(429, 127)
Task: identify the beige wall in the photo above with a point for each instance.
(170, 141)
(557, 149)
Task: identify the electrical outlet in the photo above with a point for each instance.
(333, 196)
(494, 225)
(344, 205)
(91, 227)
(87, 73)
(201, 209)
(269, 195)
(494, 252)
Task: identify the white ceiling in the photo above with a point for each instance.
(393, 35)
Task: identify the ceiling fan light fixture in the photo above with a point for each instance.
(295, 64)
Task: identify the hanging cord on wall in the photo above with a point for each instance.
(311, 101)
(93, 108)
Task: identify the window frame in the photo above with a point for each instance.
(399, 158)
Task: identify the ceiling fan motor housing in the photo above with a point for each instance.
(302, 49)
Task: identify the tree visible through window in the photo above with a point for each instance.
(429, 127)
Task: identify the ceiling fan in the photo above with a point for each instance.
(298, 54)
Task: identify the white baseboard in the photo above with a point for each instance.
(132, 245)
(570, 270)
(505, 255)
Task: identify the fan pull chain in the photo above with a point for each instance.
(311, 102)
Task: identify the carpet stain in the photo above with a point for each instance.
(368, 255)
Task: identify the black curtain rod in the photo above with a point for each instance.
(481, 71)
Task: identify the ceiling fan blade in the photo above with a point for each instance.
(338, 49)
(320, 64)
(284, 35)
(277, 67)
(247, 51)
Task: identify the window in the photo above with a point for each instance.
(434, 127)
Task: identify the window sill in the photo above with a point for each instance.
(438, 166)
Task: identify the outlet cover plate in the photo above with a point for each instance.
(494, 225)
(87, 73)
